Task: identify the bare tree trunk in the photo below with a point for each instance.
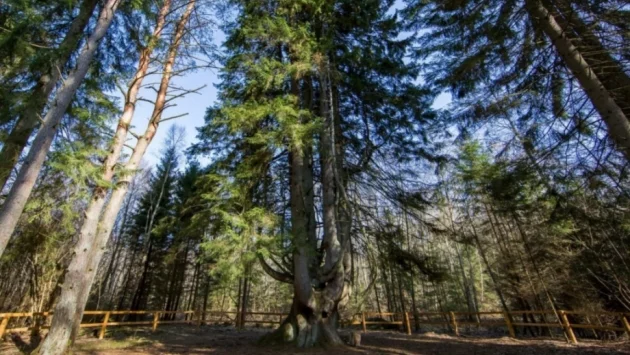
(69, 310)
(612, 114)
(127, 280)
(111, 275)
(244, 300)
(488, 268)
(34, 105)
(139, 302)
(21, 190)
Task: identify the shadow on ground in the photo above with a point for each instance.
(226, 340)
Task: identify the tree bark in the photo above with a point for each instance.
(77, 286)
(612, 114)
(34, 105)
(317, 292)
(21, 190)
(608, 69)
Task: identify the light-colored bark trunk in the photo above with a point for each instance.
(21, 190)
(99, 197)
(331, 243)
(75, 291)
(613, 116)
(34, 106)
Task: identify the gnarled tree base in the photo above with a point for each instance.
(306, 327)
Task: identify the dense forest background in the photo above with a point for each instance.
(325, 180)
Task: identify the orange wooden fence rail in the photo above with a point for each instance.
(38, 319)
(453, 320)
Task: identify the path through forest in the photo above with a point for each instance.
(221, 340)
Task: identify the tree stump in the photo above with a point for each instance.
(355, 339)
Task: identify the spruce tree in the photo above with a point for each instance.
(155, 206)
(312, 93)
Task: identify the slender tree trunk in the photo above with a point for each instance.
(488, 268)
(206, 295)
(69, 310)
(21, 190)
(14, 144)
(414, 307)
(109, 279)
(243, 301)
(609, 110)
(127, 281)
(195, 288)
(378, 303)
(141, 291)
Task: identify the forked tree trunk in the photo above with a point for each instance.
(612, 114)
(93, 211)
(21, 190)
(318, 290)
(75, 292)
(307, 326)
(34, 105)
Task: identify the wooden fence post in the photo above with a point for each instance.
(454, 321)
(363, 322)
(407, 324)
(101, 334)
(36, 324)
(508, 322)
(3, 325)
(156, 320)
(626, 324)
(567, 327)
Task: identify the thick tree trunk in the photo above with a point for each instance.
(599, 58)
(69, 310)
(14, 144)
(306, 327)
(21, 190)
(612, 114)
(317, 293)
(313, 319)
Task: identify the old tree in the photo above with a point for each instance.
(311, 92)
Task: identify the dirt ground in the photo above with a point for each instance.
(222, 340)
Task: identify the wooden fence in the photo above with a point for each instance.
(567, 321)
(38, 320)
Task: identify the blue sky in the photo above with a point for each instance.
(194, 105)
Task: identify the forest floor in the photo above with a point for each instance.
(223, 340)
